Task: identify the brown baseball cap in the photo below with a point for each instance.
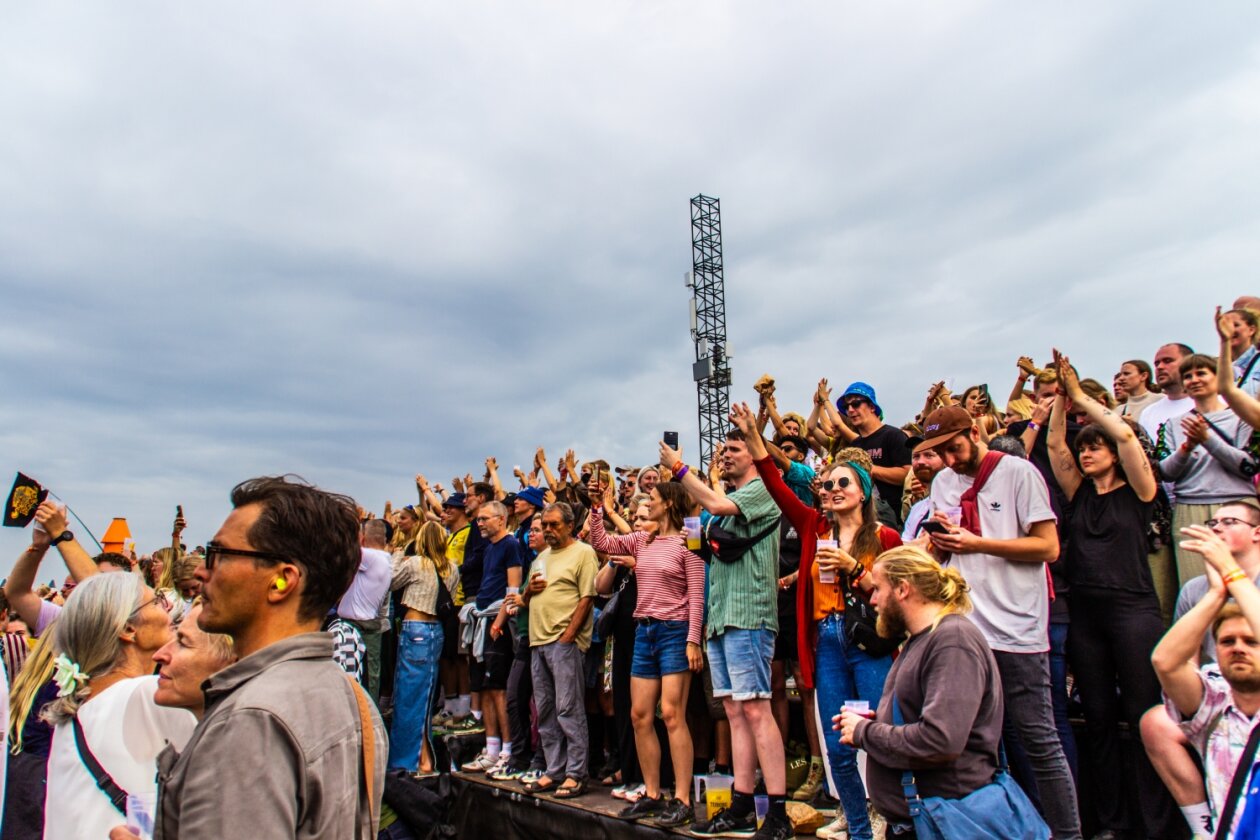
(943, 424)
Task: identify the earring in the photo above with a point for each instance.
(281, 584)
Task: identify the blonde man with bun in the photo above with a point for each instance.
(945, 682)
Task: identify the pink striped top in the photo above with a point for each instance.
(670, 578)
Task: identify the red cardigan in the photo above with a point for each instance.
(808, 522)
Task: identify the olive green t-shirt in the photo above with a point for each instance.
(570, 575)
(744, 594)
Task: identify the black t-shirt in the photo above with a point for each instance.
(888, 447)
(1107, 540)
(474, 562)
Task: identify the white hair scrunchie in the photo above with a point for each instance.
(67, 676)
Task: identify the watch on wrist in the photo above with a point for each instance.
(64, 536)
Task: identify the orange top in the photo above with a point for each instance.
(829, 597)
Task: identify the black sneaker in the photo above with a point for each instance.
(644, 806)
(774, 828)
(676, 813)
(726, 824)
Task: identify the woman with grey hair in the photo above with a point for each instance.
(105, 716)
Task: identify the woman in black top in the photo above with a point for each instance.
(1116, 621)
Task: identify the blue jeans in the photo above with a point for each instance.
(660, 648)
(739, 662)
(415, 681)
(1059, 693)
(844, 673)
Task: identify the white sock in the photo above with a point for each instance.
(450, 704)
(476, 713)
(493, 747)
(506, 749)
(1199, 816)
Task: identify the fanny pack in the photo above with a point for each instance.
(722, 544)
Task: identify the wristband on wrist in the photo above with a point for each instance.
(679, 473)
(1034, 425)
(1234, 576)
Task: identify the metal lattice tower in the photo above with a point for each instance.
(711, 370)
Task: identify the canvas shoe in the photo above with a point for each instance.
(813, 782)
(837, 829)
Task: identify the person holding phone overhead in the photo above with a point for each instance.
(839, 545)
(669, 619)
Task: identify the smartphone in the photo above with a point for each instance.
(671, 440)
(179, 510)
(934, 527)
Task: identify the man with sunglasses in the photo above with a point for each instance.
(887, 445)
(281, 751)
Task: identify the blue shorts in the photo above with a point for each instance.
(660, 648)
(740, 663)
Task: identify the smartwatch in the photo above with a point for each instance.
(64, 536)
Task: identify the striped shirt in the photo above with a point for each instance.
(744, 594)
(670, 578)
(417, 577)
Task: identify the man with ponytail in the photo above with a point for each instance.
(945, 683)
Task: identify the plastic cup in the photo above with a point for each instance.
(761, 803)
(141, 810)
(827, 575)
(858, 707)
(539, 568)
(691, 527)
(717, 793)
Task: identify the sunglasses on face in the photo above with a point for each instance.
(215, 552)
(854, 403)
(843, 482)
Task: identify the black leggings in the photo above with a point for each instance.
(1109, 645)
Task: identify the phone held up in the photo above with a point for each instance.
(671, 440)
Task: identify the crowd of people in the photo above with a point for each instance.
(835, 608)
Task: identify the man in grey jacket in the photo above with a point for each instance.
(282, 750)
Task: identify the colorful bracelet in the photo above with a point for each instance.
(1234, 576)
(1034, 425)
(679, 473)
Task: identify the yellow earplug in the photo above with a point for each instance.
(281, 584)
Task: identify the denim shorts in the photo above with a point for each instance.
(660, 648)
(740, 662)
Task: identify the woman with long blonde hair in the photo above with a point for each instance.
(421, 576)
(29, 738)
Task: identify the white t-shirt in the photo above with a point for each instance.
(125, 730)
(362, 601)
(1011, 600)
(1157, 413)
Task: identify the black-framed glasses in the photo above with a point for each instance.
(486, 518)
(215, 551)
(158, 598)
(1229, 522)
(842, 482)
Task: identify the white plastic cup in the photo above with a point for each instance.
(858, 707)
(141, 812)
(827, 575)
(691, 527)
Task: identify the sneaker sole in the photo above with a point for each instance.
(739, 832)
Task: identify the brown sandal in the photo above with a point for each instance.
(572, 792)
(540, 787)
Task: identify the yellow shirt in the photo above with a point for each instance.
(455, 544)
(570, 575)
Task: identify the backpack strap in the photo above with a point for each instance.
(369, 750)
(1241, 773)
(104, 781)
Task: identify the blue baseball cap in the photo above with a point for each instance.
(454, 500)
(866, 392)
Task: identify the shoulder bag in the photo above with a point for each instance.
(447, 615)
(1241, 773)
(104, 781)
(999, 809)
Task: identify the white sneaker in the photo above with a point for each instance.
(500, 765)
(837, 829)
(479, 764)
(635, 793)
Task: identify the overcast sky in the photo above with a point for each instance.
(357, 241)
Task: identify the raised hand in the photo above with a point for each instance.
(1068, 380)
(492, 464)
(743, 417)
(1027, 366)
(1224, 326)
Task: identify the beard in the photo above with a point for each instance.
(1247, 682)
(890, 623)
